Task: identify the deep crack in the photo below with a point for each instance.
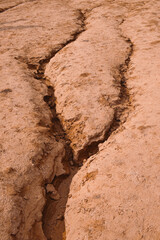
(62, 183)
(57, 130)
(124, 102)
(121, 108)
(55, 220)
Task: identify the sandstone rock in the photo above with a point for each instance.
(121, 201)
(37, 232)
(83, 75)
(55, 196)
(105, 72)
(30, 32)
(52, 192)
(50, 188)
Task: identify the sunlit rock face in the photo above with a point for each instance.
(79, 86)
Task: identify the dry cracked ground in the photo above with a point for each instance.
(79, 120)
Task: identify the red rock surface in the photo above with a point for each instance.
(82, 76)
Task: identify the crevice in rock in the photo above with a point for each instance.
(39, 74)
(54, 209)
(121, 107)
(54, 227)
(53, 214)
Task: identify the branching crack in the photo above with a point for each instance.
(42, 63)
(121, 112)
(60, 135)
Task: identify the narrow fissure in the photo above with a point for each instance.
(121, 108)
(53, 213)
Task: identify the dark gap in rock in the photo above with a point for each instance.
(121, 106)
(53, 213)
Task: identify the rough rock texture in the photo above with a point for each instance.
(29, 153)
(116, 193)
(82, 73)
(104, 79)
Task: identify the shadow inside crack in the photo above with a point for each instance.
(53, 214)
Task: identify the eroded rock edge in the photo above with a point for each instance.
(122, 106)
